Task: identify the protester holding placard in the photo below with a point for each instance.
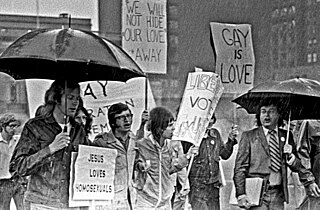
(155, 162)
(123, 140)
(204, 176)
(45, 146)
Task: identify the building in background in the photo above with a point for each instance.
(13, 93)
(285, 36)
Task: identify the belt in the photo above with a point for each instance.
(274, 187)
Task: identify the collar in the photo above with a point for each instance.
(2, 140)
(156, 143)
(111, 138)
(266, 130)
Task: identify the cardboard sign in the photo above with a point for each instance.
(94, 173)
(235, 62)
(144, 33)
(201, 95)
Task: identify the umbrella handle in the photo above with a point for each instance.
(287, 138)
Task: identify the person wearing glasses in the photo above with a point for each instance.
(10, 186)
(123, 140)
(44, 149)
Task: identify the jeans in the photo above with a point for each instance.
(11, 189)
(205, 198)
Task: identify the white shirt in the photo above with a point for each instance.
(6, 150)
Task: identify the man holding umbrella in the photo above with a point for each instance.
(44, 149)
(261, 154)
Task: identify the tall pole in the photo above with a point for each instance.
(37, 8)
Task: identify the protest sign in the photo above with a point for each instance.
(235, 62)
(94, 172)
(144, 33)
(201, 95)
(98, 96)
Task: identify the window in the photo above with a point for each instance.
(314, 57)
(309, 58)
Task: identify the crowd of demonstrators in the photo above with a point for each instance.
(151, 169)
(260, 154)
(10, 186)
(44, 150)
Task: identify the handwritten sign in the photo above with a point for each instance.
(144, 33)
(235, 60)
(98, 96)
(94, 173)
(202, 93)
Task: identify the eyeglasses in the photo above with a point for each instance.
(13, 125)
(123, 117)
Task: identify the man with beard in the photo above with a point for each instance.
(10, 186)
(44, 149)
(123, 140)
(261, 154)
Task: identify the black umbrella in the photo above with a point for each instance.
(67, 54)
(297, 98)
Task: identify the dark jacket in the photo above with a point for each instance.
(253, 159)
(309, 153)
(49, 174)
(205, 166)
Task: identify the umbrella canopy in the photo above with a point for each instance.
(298, 96)
(67, 54)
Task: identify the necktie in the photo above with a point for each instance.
(274, 151)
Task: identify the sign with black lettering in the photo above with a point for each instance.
(144, 33)
(235, 62)
(98, 96)
(94, 172)
(201, 95)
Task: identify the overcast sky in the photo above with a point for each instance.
(77, 8)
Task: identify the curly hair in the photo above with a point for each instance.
(6, 119)
(280, 121)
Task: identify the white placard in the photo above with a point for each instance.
(201, 95)
(94, 173)
(144, 33)
(235, 62)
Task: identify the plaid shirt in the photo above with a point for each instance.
(49, 173)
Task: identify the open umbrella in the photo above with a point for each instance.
(67, 54)
(297, 98)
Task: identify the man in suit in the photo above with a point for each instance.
(261, 154)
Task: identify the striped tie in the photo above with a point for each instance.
(274, 151)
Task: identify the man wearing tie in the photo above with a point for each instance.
(261, 154)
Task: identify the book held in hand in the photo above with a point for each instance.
(254, 191)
